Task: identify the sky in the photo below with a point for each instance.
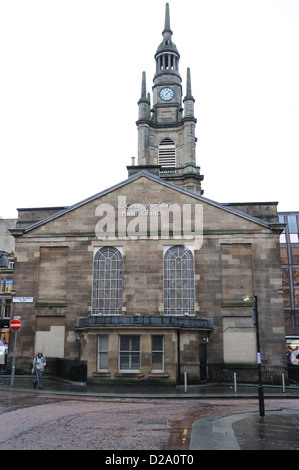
(71, 78)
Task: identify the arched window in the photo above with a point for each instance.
(178, 281)
(167, 155)
(107, 281)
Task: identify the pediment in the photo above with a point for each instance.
(142, 195)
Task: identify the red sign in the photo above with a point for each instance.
(15, 325)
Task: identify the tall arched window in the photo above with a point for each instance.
(107, 281)
(178, 281)
(167, 155)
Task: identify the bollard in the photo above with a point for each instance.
(235, 382)
(185, 381)
(283, 383)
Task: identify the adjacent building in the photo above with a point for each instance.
(7, 248)
(289, 248)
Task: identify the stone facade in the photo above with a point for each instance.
(237, 255)
(146, 280)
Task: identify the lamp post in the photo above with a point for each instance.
(255, 320)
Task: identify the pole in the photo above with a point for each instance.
(259, 362)
(235, 382)
(185, 382)
(283, 383)
(12, 380)
(179, 357)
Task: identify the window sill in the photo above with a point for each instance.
(129, 374)
(159, 375)
(101, 374)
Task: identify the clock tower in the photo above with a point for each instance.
(166, 130)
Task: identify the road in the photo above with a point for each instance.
(41, 421)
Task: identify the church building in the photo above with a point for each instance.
(148, 277)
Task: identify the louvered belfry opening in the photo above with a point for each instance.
(167, 155)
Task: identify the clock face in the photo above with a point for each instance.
(166, 94)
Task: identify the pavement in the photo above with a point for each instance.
(277, 430)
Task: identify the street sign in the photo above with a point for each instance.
(15, 324)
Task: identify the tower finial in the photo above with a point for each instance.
(143, 86)
(144, 97)
(167, 20)
(188, 82)
(188, 86)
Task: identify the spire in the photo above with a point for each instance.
(143, 86)
(167, 21)
(167, 44)
(167, 56)
(144, 103)
(188, 86)
(144, 97)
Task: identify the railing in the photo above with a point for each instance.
(223, 373)
(70, 369)
(144, 320)
(170, 171)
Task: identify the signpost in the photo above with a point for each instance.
(15, 325)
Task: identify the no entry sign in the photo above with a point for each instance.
(15, 324)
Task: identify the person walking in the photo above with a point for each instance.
(39, 364)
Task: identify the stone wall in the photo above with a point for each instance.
(237, 256)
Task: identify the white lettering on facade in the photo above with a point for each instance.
(150, 220)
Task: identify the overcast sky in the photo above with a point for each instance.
(71, 78)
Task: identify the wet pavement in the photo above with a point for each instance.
(254, 432)
(216, 429)
(277, 430)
